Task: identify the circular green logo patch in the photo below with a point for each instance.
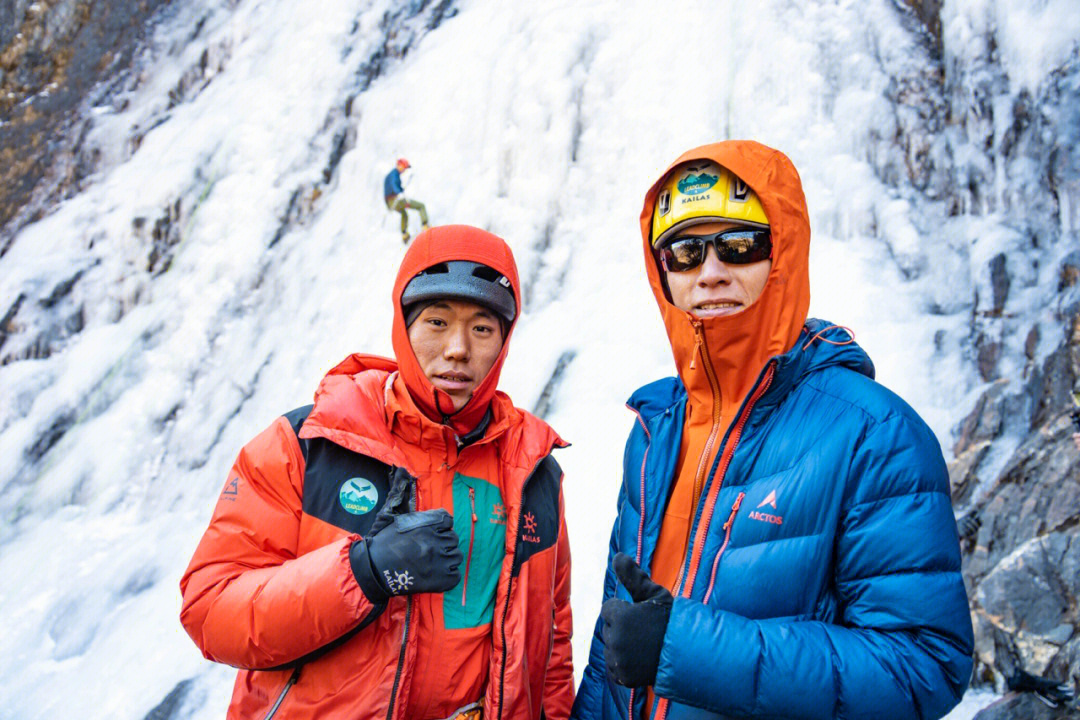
(358, 496)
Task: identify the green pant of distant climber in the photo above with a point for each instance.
(399, 204)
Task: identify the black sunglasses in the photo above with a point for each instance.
(739, 246)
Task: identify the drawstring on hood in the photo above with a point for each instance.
(819, 336)
(431, 247)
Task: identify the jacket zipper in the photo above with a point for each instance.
(714, 384)
(641, 495)
(699, 545)
(284, 691)
(727, 538)
(509, 591)
(641, 525)
(472, 536)
(414, 501)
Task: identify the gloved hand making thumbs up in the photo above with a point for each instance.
(634, 632)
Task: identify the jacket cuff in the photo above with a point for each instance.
(365, 574)
(708, 659)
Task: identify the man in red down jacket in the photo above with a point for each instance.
(398, 549)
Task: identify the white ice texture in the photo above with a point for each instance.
(543, 122)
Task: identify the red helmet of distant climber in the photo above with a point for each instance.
(403, 164)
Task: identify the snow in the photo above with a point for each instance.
(542, 122)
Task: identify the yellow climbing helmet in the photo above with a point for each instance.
(702, 191)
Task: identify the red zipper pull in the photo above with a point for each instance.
(734, 509)
(697, 345)
(472, 536)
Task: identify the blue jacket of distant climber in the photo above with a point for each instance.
(392, 184)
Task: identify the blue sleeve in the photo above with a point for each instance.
(392, 183)
(902, 642)
(589, 703)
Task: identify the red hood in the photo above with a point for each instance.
(739, 345)
(437, 245)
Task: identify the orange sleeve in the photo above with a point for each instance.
(248, 600)
(559, 681)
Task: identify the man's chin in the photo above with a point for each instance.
(458, 396)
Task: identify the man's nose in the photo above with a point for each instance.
(457, 344)
(713, 272)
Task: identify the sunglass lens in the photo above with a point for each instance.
(685, 254)
(743, 247)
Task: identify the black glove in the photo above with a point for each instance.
(1050, 692)
(415, 552)
(634, 633)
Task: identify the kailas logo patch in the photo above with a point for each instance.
(398, 581)
(770, 501)
(529, 535)
(694, 183)
(358, 496)
(232, 490)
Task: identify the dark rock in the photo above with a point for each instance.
(343, 140)
(62, 289)
(1025, 613)
(984, 422)
(543, 403)
(52, 434)
(7, 323)
(929, 13)
(987, 355)
(1050, 388)
(999, 283)
(53, 54)
(1070, 271)
(1031, 342)
(1024, 706)
(963, 472)
(166, 234)
(172, 703)
(1023, 571)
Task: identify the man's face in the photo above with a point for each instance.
(714, 288)
(456, 343)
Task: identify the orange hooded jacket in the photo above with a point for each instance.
(720, 358)
(270, 589)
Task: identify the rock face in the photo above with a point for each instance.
(1027, 707)
(53, 54)
(1022, 565)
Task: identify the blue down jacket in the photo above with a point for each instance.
(829, 583)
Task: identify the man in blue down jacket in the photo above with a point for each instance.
(793, 516)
